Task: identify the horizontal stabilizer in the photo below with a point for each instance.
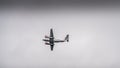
(67, 38)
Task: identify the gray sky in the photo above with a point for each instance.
(94, 38)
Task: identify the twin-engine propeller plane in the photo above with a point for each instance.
(50, 40)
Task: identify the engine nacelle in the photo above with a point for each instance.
(45, 40)
(47, 43)
(47, 36)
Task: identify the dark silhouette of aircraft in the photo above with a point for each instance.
(49, 40)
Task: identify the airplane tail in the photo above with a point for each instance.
(67, 38)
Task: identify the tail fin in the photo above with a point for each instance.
(67, 38)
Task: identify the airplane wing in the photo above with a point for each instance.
(51, 33)
(51, 46)
(51, 39)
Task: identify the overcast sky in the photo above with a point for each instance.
(94, 37)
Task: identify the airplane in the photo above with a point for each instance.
(50, 40)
